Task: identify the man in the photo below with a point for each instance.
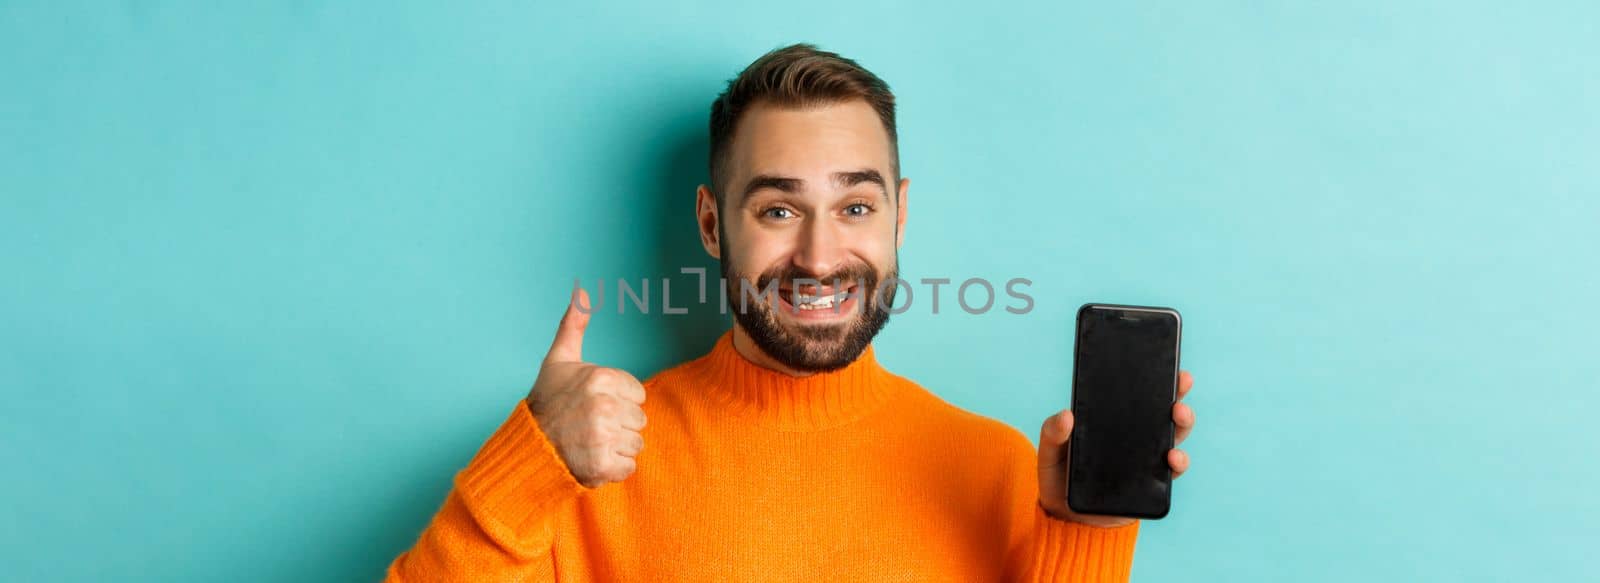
(787, 453)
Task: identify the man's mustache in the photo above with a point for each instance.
(788, 277)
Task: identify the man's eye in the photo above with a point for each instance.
(777, 212)
(858, 209)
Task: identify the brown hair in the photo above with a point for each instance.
(798, 75)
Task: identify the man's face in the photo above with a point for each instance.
(808, 197)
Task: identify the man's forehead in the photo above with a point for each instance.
(813, 143)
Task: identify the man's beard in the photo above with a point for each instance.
(811, 347)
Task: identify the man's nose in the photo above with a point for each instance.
(820, 249)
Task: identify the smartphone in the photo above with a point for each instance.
(1124, 382)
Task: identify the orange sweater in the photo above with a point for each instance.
(749, 474)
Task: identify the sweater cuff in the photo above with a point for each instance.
(1073, 551)
(517, 481)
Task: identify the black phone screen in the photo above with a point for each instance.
(1125, 375)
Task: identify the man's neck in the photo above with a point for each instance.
(747, 348)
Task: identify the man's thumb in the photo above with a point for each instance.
(1053, 439)
(568, 345)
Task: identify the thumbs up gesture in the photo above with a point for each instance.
(590, 413)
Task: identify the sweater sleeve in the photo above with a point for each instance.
(1047, 549)
(497, 523)
(1061, 551)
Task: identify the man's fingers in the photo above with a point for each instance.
(568, 345)
(618, 382)
(1179, 461)
(630, 445)
(632, 418)
(631, 390)
(1053, 439)
(1183, 419)
(1185, 382)
(621, 468)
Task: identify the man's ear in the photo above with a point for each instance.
(902, 204)
(706, 218)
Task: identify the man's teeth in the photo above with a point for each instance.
(821, 302)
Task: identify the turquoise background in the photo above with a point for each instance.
(273, 273)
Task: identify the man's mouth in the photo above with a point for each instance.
(811, 298)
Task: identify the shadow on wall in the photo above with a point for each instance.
(671, 174)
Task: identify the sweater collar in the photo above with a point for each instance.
(816, 401)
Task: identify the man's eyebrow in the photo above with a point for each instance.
(854, 177)
(783, 183)
(792, 185)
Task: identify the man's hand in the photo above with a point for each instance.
(1053, 458)
(591, 413)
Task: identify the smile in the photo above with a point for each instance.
(817, 299)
